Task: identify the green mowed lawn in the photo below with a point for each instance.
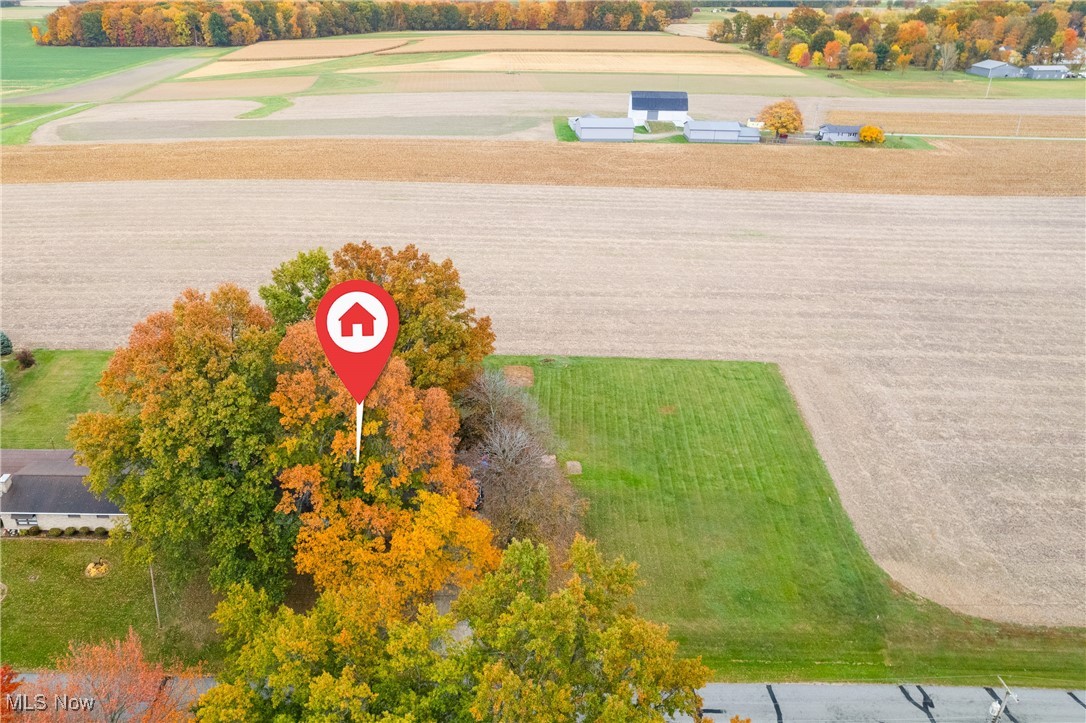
(705, 474)
(46, 397)
(50, 602)
(28, 66)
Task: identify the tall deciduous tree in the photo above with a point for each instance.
(441, 340)
(577, 654)
(401, 520)
(122, 682)
(782, 117)
(184, 448)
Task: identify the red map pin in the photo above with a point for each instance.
(357, 323)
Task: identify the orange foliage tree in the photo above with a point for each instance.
(123, 684)
(401, 520)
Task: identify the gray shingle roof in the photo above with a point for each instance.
(714, 125)
(831, 128)
(659, 100)
(53, 494)
(1063, 68)
(989, 64)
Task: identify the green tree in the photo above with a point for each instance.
(5, 386)
(217, 27)
(297, 287)
(759, 31)
(579, 653)
(184, 448)
(820, 38)
(5, 344)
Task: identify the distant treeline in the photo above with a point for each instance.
(133, 23)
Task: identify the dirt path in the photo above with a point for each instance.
(957, 167)
(935, 344)
(115, 85)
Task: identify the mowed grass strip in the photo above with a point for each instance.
(51, 602)
(46, 398)
(705, 474)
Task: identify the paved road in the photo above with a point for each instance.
(935, 345)
(814, 703)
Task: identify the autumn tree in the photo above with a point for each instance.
(184, 446)
(903, 61)
(400, 521)
(872, 135)
(831, 54)
(860, 58)
(782, 117)
(796, 53)
(122, 682)
(441, 340)
(579, 653)
(9, 683)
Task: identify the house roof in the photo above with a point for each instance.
(659, 100)
(989, 64)
(831, 128)
(713, 125)
(1062, 68)
(53, 494)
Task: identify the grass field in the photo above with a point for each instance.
(562, 131)
(46, 397)
(29, 67)
(50, 601)
(704, 473)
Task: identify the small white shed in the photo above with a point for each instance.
(719, 132)
(594, 128)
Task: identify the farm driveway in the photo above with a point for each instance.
(935, 344)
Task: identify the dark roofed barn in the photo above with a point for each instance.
(659, 105)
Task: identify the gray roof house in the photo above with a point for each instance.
(719, 132)
(594, 128)
(838, 134)
(45, 488)
(994, 69)
(1047, 72)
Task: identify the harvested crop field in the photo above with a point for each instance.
(248, 66)
(958, 167)
(222, 89)
(617, 42)
(323, 48)
(968, 124)
(938, 360)
(562, 62)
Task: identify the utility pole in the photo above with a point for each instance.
(154, 594)
(995, 711)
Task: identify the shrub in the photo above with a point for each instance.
(24, 358)
(55, 532)
(5, 344)
(101, 532)
(84, 530)
(5, 387)
(33, 530)
(872, 134)
(70, 531)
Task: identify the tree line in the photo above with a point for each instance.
(183, 23)
(954, 36)
(228, 440)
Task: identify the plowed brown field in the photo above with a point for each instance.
(312, 48)
(968, 124)
(958, 167)
(574, 42)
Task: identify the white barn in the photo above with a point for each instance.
(1047, 72)
(720, 132)
(44, 488)
(659, 105)
(594, 128)
(994, 69)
